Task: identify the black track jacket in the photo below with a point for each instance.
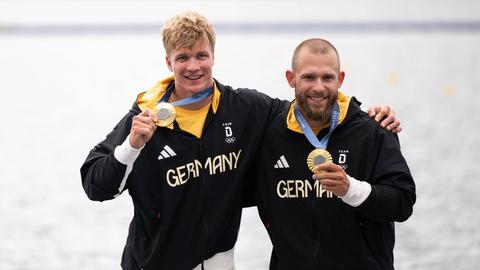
(187, 205)
(311, 228)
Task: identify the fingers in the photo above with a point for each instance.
(148, 113)
(332, 177)
(389, 121)
(372, 111)
(327, 167)
(145, 120)
(143, 127)
(147, 117)
(379, 112)
(329, 171)
(392, 125)
(397, 129)
(384, 112)
(385, 116)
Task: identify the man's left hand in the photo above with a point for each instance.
(385, 116)
(332, 177)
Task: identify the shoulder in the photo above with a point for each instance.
(247, 95)
(360, 119)
(252, 99)
(355, 115)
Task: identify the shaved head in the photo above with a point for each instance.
(315, 46)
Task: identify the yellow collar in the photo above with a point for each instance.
(343, 102)
(150, 98)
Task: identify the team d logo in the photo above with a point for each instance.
(228, 133)
(342, 158)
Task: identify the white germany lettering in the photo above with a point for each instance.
(287, 189)
(213, 165)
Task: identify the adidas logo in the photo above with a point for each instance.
(166, 153)
(281, 163)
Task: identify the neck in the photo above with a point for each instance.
(192, 106)
(316, 124)
(198, 105)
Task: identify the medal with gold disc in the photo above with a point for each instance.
(319, 155)
(166, 112)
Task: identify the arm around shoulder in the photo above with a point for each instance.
(265, 108)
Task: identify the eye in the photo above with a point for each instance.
(328, 77)
(202, 56)
(181, 58)
(308, 77)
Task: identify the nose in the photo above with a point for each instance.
(319, 85)
(192, 65)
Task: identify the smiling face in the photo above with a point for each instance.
(192, 68)
(316, 77)
(189, 42)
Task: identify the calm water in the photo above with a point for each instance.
(62, 94)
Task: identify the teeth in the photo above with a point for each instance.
(194, 77)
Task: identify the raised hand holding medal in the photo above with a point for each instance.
(319, 155)
(166, 112)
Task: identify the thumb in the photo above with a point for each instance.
(149, 113)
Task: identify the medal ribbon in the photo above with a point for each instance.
(312, 138)
(185, 101)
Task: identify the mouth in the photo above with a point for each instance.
(317, 98)
(193, 78)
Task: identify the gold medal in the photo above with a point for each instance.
(318, 156)
(165, 114)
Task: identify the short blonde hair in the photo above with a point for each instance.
(185, 30)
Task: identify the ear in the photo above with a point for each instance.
(290, 78)
(341, 77)
(169, 63)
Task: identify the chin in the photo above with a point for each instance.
(196, 89)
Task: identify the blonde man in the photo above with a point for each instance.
(183, 152)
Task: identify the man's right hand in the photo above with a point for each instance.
(143, 127)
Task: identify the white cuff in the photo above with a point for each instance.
(125, 153)
(357, 192)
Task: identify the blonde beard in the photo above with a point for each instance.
(321, 116)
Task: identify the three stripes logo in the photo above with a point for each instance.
(166, 153)
(281, 163)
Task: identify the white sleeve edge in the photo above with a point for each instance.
(125, 153)
(357, 193)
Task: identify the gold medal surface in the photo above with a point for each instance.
(318, 156)
(165, 114)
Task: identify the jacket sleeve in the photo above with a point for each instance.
(264, 107)
(393, 190)
(103, 175)
(264, 110)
